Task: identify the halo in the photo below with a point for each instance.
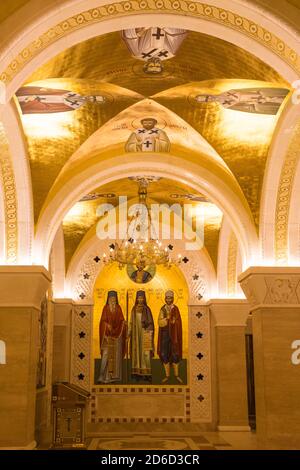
(192, 97)
(150, 269)
(138, 70)
(161, 123)
(176, 296)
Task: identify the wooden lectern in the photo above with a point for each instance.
(69, 404)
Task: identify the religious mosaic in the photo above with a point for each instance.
(248, 100)
(153, 45)
(37, 100)
(131, 352)
(148, 138)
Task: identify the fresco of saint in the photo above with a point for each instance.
(141, 334)
(112, 336)
(148, 138)
(170, 337)
(249, 100)
(141, 276)
(37, 100)
(153, 45)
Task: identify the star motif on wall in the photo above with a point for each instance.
(81, 377)
(82, 314)
(199, 335)
(112, 246)
(81, 355)
(195, 277)
(97, 259)
(82, 334)
(200, 356)
(199, 315)
(185, 260)
(82, 296)
(200, 377)
(86, 276)
(170, 247)
(200, 296)
(201, 398)
(131, 240)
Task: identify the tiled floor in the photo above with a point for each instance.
(117, 437)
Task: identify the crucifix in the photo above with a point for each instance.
(158, 34)
(148, 143)
(163, 54)
(148, 54)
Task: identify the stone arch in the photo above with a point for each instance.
(84, 269)
(274, 40)
(72, 22)
(163, 165)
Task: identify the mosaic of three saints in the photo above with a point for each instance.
(114, 334)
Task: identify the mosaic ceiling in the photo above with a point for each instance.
(205, 95)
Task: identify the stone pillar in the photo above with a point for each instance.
(62, 339)
(274, 294)
(72, 342)
(229, 317)
(22, 289)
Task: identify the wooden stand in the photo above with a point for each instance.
(69, 416)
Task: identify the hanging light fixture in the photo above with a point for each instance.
(142, 245)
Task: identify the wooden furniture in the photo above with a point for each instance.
(69, 404)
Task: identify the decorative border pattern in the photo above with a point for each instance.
(284, 198)
(194, 275)
(200, 364)
(96, 392)
(10, 199)
(132, 7)
(81, 346)
(231, 265)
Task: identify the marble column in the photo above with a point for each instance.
(274, 295)
(72, 342)
(229, 317)
(62, 339)
(22, 289)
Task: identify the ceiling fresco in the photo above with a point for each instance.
(83, 218)
(150, 90)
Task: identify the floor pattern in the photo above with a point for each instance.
(152, 442)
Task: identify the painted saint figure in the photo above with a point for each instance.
(141, 334)
(170, 336)
(112, 335)
(249, 100)
(153, 45)
(148, 138)
(37, 100)
(141, 276)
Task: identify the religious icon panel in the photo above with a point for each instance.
(141, 336)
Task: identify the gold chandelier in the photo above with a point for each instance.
(140, 249)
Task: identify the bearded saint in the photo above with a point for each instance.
(149, 138)
(170, 336)
(249, 100)
(149, 43)
(112, 335)
(141, 334)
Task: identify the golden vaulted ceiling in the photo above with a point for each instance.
(104, 66)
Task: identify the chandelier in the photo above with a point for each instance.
(141, 246)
